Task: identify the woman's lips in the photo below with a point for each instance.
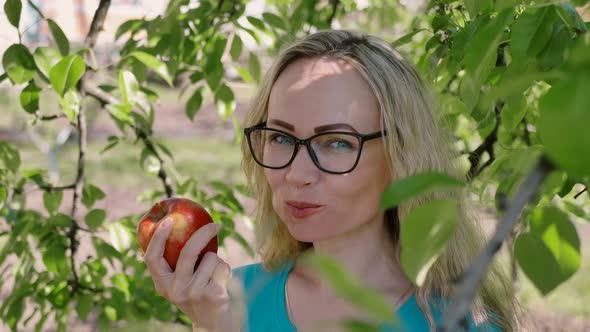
(300, 213)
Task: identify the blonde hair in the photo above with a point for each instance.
(416, 144)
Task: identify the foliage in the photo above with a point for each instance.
(511, 78)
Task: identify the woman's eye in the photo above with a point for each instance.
(280, 139)
(340, 145)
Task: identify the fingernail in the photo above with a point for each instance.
(217, 227)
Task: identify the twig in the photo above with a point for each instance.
(105, 98)
(581, 192)
(60, 188)
(90, 41)
(486, 146)
(335, 4)
(459, 306)
(49, 117)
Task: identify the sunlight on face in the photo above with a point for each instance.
(319, 92)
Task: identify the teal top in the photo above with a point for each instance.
(264, 294)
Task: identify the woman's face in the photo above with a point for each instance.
(317, 95)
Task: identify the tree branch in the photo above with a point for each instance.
(105, 98)
(581, 192)
(90, 41)
(486, 146)
(459, 308)
(335, 4)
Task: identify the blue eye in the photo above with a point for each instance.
(280, 139)
(340, 145)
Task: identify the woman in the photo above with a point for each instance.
(338, 117)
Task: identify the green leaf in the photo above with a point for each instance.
(70, 103)
(113, 141)
(66, 73)
(45, 59)
(424, 235)
(120, 236)
(193, 105)
(95, 218)
(256, 22)
(36, 9)
(569, 15)
(475, 7)
(275, 21)
(131, 25)
(3, 77)
(29, 98)
(513, 113)
(59, 220)
(84, 305)
(13, 9)
(224, 101)
(10, 156)
(54, 259)
(121, 281)
(149, 162)
(359, 326)
(564, 115)
(553, 55)
(154, 64)
(481, 53)
(91, 194)
(3, 196)
(19, 64)
(414, 185)
(236, 47)
(60, 37)
(350, 288)
(52, 200)
(254, 67)
(121, 113)
(406, 38)
(550, 253)
(244, 74)
(129, 87)
(531, 32)
(576, 210)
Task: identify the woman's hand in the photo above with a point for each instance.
(202, 295)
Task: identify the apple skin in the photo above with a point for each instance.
(187, 217)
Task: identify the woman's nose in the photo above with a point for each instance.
(302, 170)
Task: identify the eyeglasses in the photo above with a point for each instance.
(335, 152)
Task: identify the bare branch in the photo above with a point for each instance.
(95, 27)
(486, 146)
(97, 23)
(460, 303)
(581, 192)
(335, 4)
(105, 98)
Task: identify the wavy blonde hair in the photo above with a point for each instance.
(417, 144)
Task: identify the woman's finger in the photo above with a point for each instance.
(222, 274)
(206, 269)
(216, 290)
(189, 254)
(154, 254)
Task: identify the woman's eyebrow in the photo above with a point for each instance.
(318, 129)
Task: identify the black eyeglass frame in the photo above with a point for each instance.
(307, 143)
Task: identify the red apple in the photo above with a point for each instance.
(187, 217)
